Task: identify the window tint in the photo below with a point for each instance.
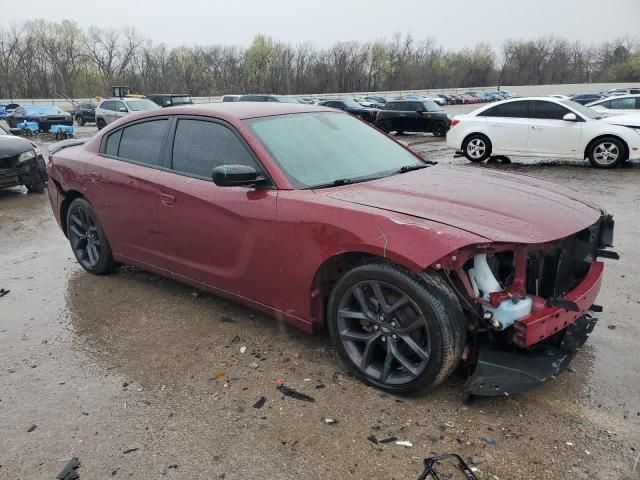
(547, 110)
(142, 142)
(113, 141)
(623, 103)
(200, 146)
(512, 109)
(107, 105)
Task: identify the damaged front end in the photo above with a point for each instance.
(530, 307)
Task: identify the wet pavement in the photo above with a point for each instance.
(139, 377)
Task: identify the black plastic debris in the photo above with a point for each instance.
(388, 439)
(130, 450)
(3, 292)
(260, 402)
(70, 470)
(372, 439)
(443, 466)
(31, 428)
(290, 392)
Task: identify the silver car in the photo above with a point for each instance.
(111, 109)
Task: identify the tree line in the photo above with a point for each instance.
(40, 59)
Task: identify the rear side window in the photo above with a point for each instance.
(512, 110)
(606, 104)
(142, 142)
(623, 103)
(113, 141)
(547, 110)
(200, 146)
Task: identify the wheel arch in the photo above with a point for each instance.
(69, 197)
(607, 135)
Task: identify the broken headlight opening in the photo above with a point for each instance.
(27, 156)
(529, 307)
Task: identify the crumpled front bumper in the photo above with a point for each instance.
(501, 372)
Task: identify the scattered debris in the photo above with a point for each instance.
(69, 472)
(173, 465)
(612, 326)
(321, 385)
(253, 365)
(3, 292)
(372, 439)
(130, 450)
(453, 459)
(243, 349)
(196, 294)
(260, 402)
(290, 392)
(32, 428)
(236, 339)
(449, 424)
(404, 443)
(490, 441)
(219, 374)
(115, 471)
(569, 444)
(226, 319)
(330, 421)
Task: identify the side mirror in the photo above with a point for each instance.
(235, 176)
(123, 109)
(570, 117)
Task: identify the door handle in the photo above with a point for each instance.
(536, 128)
(167, 200)
(95, 176)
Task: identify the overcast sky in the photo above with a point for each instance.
(454, 23)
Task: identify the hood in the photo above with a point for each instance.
(630, 120)
(497, 206)
(11, 146)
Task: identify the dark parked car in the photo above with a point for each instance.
(170, 99)
(318, 219)
(413, 116)
(21, 163)
(45, 116)
(584, 98)
(352, 107)
(84, 113)
(268, 98)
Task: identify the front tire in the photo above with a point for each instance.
(100, 123)
(395, 330)
(88, 241)
(476, 147)
(80, 120)
(606, 152)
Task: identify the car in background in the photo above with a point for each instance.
(560, 97)
(584, 98)
(542, 126)
(268, 98)
(111, 109)
(84, 113)
(170, 99)
(413, 116)
(351, 106)
(320, 220)
(45, 116)
(377, 99)
(10, 107)
(617, 105)
(21, 163)
(230, 98)
(503, 93)
(364, 102)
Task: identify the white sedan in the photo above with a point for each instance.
(542, 126)
(617, 105)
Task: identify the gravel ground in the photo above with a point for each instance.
(140, 377)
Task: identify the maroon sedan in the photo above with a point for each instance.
(319, 219)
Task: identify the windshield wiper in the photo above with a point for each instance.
(335, 183)
(410, 168)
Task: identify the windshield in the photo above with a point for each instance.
(140, 105)
(42, 110)
(315, 149)
(582, 110)
(431, 106)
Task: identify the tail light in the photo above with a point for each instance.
(454, 122)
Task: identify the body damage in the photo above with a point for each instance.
(281, 250)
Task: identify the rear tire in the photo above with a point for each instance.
(439, 129)
(607, 152)
(80, 120)
(476, 147)
(88, 241)
(410, 340)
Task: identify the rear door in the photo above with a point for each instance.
(121, 186)
(509, 125)
(549, 133)
(224, 237)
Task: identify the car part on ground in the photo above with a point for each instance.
(542, 126)
(414, 268)
(446, 466)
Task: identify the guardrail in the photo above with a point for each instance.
(522, 90)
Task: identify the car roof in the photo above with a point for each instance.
(243, 110)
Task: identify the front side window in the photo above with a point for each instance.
(547, 110)
(141, 105)
(431, 106)
(519, 109)
(142, 142)
(200, 146)
(316, 149)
